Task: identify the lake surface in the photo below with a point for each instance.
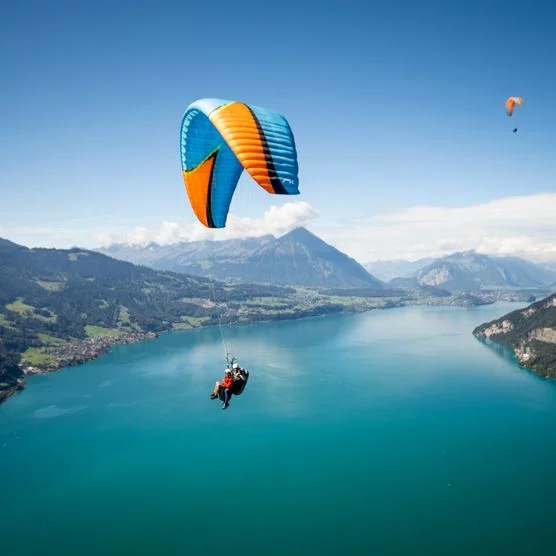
(386, 433)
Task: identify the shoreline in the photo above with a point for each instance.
(528, 334)
(12, 389)
(79, 352)
(521, 354)
(72, 354)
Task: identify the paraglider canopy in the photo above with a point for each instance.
(511, 103)
(221, 138)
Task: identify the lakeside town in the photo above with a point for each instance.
(76, 352)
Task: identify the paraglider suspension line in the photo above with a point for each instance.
(220, 323)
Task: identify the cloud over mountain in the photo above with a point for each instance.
(277, 220)
(522, 225)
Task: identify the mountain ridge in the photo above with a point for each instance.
(389, 269)
(531, 334)
(297, 258)
(472, 271)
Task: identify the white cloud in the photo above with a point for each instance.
(277, 220)
(522, 226)
(104, 239)
(522, 245)
(508, 212)
(168, 232)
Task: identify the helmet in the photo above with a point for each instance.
(227, 370)
(235, 366)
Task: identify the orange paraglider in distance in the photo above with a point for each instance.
(511, 102)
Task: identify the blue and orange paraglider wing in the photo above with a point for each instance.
(218, 140)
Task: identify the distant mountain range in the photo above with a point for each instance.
(530, 332)
(199, 257)
(396, 268)
(301, 258)
(471, 271)
(297, 258)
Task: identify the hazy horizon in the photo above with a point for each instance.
(99, 248)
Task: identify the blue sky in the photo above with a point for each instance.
(394, 105)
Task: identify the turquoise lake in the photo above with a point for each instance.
(391, 432)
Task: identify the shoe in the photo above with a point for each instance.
(225, 405)
(213, 396)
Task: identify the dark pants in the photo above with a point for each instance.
(224, 394)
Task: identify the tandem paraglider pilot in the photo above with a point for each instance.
(233, 384)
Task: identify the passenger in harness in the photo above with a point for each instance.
(223, 387)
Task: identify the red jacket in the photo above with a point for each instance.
(228, 380)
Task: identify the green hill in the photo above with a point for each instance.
(61, 307)
(530, 332)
